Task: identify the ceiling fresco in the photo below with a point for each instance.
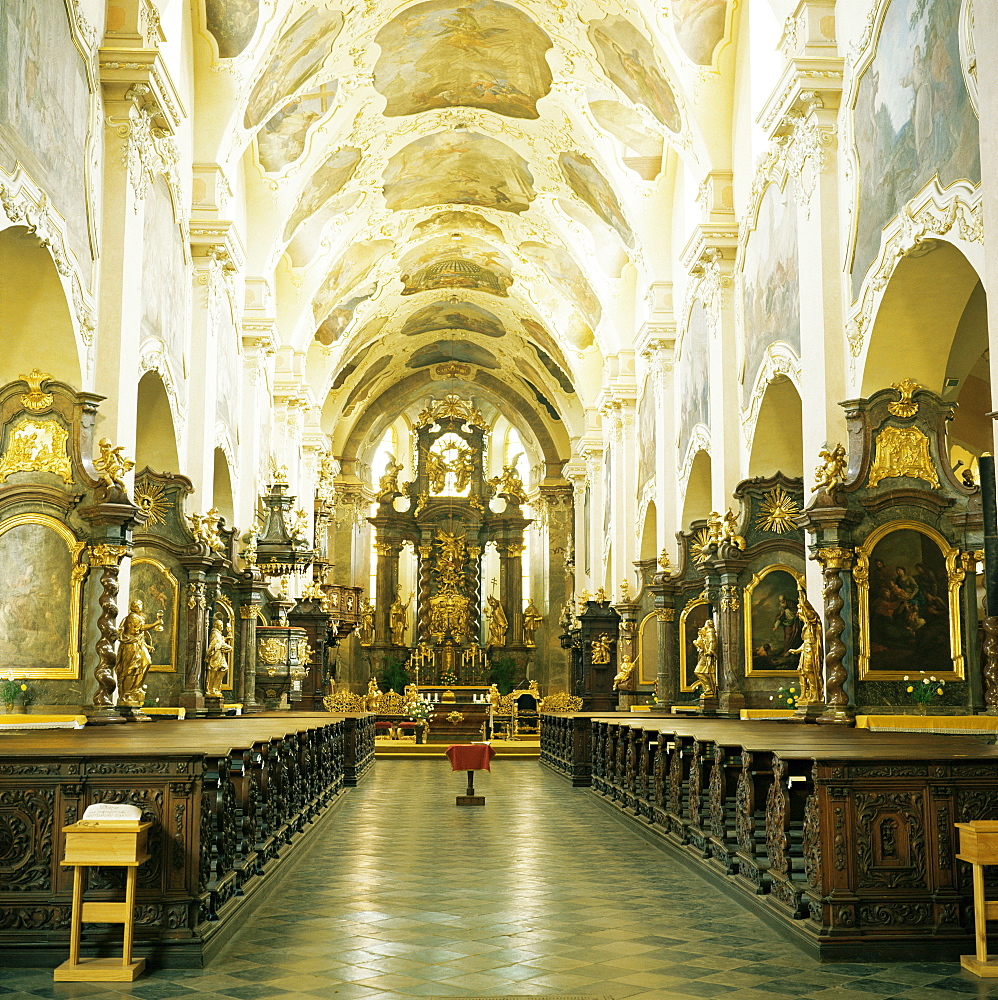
(458, 167)
(468, 263)
(482, 54)
(232, 23)
(447, 315)
(327, 181)
(458, 222)
(594, 189)
(699, 27)
(452, 350)
(281, 140)
(295, 59)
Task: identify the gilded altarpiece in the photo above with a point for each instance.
(899, 538)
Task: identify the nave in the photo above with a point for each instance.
(541, 893)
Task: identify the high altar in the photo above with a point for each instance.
(450, 512)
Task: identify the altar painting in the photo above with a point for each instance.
(155, 586)
(913, 119)
(479, 54)
(909, 608)
(298, 55)
(40, 599)
(45, 110)
(693, 618)
(585, 179)
(772, 628)
(770, 282)
(458, 167)
(629, 61)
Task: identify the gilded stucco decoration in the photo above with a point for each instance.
(35, 445)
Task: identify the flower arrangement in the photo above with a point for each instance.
(923, 693)
(421, 711)
(13, 691)
(785, 696)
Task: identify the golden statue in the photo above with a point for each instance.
(724, 528)
(810, 669)
(204, 527)
(217, 662)
(497, 622)
(600, 649)
(411, 695)
(112, 464)
(623, 675)
(831, 473)
(399, 618)
(388, 485)
(509, 484)
(494, 697)
(366, 632)
(600, 597)
(625, 591)
(134, 655)
(706, 668)
(373, 696)
(532, 621)
(664, 563)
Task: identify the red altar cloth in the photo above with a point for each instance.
(470, 756)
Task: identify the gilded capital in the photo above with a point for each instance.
(107, 555)
(834, 558)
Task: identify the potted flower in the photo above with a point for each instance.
(924, 691)
(785, 696)
(422, 714)
(13, 692)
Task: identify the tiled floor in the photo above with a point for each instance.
(539, 893)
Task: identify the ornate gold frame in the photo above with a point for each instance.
(640, 659)
(79, 572)
(681, 639)
(747, 618)
(229, 656)
(171, 667)
(955, 574)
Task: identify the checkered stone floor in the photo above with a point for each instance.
(541, 893)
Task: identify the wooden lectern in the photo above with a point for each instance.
(110, 837)
(979, 846)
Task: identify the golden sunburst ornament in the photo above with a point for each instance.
(777, 512)
(697, 542)
(154, 501)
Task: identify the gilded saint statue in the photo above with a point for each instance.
(388, 485)
(373, 695)
(134, 655)
(600, 649)
(497, 622)
(112, 464)
(810, 669)
(532, 621)
(832, 470)
(366, 632)
(509, 484)
(399, 618)
(217, 660)
(705, 671)
(623, 675)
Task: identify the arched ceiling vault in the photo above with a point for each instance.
(455, 181)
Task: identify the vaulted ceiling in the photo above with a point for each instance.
(461, 190)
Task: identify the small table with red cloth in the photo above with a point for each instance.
(470, 757)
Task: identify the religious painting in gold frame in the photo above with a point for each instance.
(648, 649)
(224, 610)
(41, 600)
(693, 618)
(152, 583)
(772, 627)
(908, 582)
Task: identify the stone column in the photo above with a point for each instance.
(386, 586)
(511, 588)
(248, 617)
(731, 638)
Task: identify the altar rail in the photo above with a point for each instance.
(231, 800)
(843, 838)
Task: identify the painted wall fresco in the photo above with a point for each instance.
(459, 167)
(151, 583)
(471, 264)
(694, 401)
(594, 189)
(282, 139)
(629, 61)
(479, 54)
(908, 604)
(770, 282)
(646, 433)
(233, 23)
(336, 323)
(452, 350)
(323, 184)
(296, 57)
(913, 118)
(699, 26)
(445, 315)
(45, 110)
(458, 222)
(165, 286)
(36, 566)
(566, 275)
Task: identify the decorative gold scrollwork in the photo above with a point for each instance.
(905, 406)
(902, 451)
(36, 400)
(38, 446)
